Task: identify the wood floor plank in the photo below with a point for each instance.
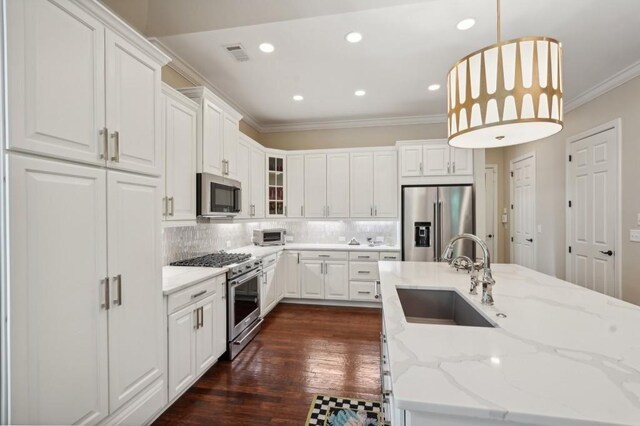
(301, 351)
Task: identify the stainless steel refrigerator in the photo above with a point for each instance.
(431, 216)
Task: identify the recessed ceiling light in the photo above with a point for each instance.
(359, 93)
(353, 37)
(465, 24)
(298, 97)
(267, 47)
(433, 87)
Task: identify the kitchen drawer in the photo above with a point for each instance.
(324, 255)
(362, 290)
(194, 293)
(269, 261)
(364, 256)
(389, 255)
(363, 271)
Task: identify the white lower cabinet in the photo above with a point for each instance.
(268, 297)
(291, 280)
(336, 280)
(324, 275)
(312, 279)
(197, 332)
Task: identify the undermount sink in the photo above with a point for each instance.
(445, 307)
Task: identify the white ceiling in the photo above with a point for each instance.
(406, 47)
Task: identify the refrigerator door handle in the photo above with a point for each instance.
(433, 236)
(439, 230)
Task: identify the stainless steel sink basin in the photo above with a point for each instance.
(446, 307)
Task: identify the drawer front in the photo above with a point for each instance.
(390, 255)
(324, 255)
(364, 256)
(362, 290)
(194, 293)
(270, 260)
(363, 271)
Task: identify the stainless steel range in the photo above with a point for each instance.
(243, 295)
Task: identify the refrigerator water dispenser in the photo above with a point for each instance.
(422, 234)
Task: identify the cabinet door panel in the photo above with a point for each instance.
(182, 350)
(133, 107)
(220, 325)
(312, 279)
(212, 136)
(206, 335)
(295, 185)
(361, 171)
(230, 144)
(461, 161)
(244, 176)
(137, 341)
(336, 283)
(180, 138)
(292, 280)
(338, 185)
(385, 184)
(58, 261)
(436, 160)
(411, 160)
(315, 185)
(56, 68)
(258, 187)
(268, 294)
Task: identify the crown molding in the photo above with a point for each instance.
(606, 85)
(355, 123)
(183, 68)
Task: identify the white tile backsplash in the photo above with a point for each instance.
(189, 241)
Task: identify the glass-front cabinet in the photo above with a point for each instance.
(275, 186)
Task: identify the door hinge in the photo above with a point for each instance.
(511, 174)
(569, 249)
(569, 203)
(570, 158)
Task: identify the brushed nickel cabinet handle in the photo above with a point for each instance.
(195, 296)
(371, 211)
(454, 167)
(197, 318)
(328, 211)
(421, 168)
(116, 146)
(364, 272)
(172, 205)
(106, 304)
(448, 167)
(201, 316)
(118, 280)
(364, 292)
(223, 290)
(104, 133)
(375, 211)
(324, 255)
(285, 210)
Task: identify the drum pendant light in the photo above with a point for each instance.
(506, 94)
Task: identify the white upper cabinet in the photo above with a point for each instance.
(385, 183)
(79, 91)
(257, 182)
(244, 176)
(276, 171)
(361, 171)
(218, 134)
(180, 155)
(315, 185)
(338, 185)
(434, 158)
(295, 185)
(250, 172)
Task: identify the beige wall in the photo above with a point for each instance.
(622, 102)
(352, 138)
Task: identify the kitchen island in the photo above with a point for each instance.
(560, 354)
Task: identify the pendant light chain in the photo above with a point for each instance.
(498, 20)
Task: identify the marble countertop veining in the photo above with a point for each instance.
(175, 278)
(564, 355)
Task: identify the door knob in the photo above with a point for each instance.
(608, 252)
(530, 240)
(490, 236)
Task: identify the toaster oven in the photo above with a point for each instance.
(268, 237)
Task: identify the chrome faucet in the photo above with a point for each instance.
(464, 262)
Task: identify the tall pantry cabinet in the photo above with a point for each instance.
(88, 336)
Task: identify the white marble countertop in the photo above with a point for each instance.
(259, 251)
(564, 355)
(175, 278)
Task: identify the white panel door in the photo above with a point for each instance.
(258, 186)
(206, 334)
(212, 136)
(295, 185)
(435, 159)
(411, 160)
(292, 279)
(385, 184)
(592, 191)
(220, 325)
(137, 340)
(361, 182)
(338, 185)
(336, 282)
(491, 217)
(133, 108)
(182, 350)
(312, 279)
(56, 66)
(58, 266)
(268, 293)
(180, 158)
(523, 214)
(244, 175)
(461, 161)
(230, 144)
(315, 185)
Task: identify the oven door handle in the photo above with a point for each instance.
(239, 342)
(236, 283)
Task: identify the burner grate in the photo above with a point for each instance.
(214, 260)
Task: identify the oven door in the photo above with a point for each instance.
(244, 302)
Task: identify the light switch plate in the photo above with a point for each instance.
(504, 218)
(539, 229)
(228, 244)
(634, 235)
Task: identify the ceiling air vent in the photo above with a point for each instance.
(238, 52)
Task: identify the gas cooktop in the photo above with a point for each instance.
(214, 260)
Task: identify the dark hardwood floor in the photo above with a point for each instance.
(302, 350)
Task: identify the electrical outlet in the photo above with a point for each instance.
(634, 235)
(288, 238)
(505, 218)
(228, 244)
(342, 239)
(539, 229)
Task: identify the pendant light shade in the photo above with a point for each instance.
(506, 94)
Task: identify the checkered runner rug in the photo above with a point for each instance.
(323, 407)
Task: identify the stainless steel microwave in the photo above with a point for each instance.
(217, 196)
(268, 237)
